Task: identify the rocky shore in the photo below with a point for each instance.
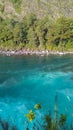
(36, 52)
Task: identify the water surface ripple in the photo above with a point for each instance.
(28, 80)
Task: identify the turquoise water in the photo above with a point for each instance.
(28, 80)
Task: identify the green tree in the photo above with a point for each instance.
(32, 38)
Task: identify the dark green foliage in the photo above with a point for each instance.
(32, 39)
(41, 34)
(48, 121)
(62, 120)
(51, 125)
(60, 33)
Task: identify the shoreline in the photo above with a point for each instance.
(36, 52)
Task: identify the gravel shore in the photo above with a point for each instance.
(36, 52)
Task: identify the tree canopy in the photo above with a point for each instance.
(37, 34)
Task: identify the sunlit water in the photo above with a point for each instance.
(28, 80)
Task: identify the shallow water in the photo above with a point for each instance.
(28, 80)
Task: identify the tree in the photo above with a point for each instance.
(32, 38)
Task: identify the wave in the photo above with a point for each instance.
(67, 92)
(8, 82)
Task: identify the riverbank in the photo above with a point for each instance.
(36, 52)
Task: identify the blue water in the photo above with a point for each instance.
(28, 80)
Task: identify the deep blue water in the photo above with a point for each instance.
(28, 80)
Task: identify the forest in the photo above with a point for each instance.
(36, 34)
